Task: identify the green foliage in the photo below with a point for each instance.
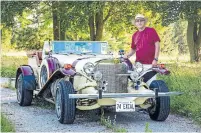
(179, 36)
(9, 9)
(8, 84)
(40, 102)
(32, 22)
(9, 65)
(9, 72)
(175, 10)
(186, 78)
(111, 124)
(30, 27)
(7, 39)
(6, 125)
(147, 130)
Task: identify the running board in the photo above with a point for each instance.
(123, 95)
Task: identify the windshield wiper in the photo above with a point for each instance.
(62, 53)
(88, 53)
(68, 53)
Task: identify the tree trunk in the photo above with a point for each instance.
(62, 29)
(193, 40)
(99, 25)
(56, 24)
(190, 40)
(91, 27)
(198, 44)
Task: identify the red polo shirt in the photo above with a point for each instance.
(144, 44)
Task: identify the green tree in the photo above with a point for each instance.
(187, 10)
(9, 9)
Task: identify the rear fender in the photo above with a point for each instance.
(59, 73)
(28, 77)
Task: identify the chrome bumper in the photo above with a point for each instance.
(123, 95)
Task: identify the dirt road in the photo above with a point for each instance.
(37, 119)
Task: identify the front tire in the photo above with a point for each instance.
(24, 96)
(65, 107)
(161, 108)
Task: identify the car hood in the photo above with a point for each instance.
(79, 61)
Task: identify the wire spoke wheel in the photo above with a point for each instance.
(19, 88)
(24, 96)
(160, 108)
(152, 109)
(58, 103)
(43, 77)
(64, 106)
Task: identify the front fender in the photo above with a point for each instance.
(59, 73)
(129, 64)
(27, 76)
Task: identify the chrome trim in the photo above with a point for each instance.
(123, 95)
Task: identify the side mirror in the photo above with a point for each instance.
(121, 52)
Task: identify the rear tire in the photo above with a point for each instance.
(24, 96)
(65, 107)
(44, 75)
(161, 109)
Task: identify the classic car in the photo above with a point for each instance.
(85, 75)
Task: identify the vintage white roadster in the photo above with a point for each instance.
(85, 76)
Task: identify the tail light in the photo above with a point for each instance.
(161, 66)
(67, 66)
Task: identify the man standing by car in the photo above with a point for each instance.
(145, 42)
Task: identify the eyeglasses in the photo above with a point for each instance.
(139, 20)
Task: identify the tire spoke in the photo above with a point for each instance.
(58, 103)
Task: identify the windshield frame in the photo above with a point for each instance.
(101, 47)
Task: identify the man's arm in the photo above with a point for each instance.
(157, 50)
(132, 51)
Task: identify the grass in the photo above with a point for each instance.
(8, 85)
(9, 65)
(147, 129)
(40, 102)
(6, 125)
(111, 124)
(186, 78)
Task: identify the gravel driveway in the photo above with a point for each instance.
(37, 119)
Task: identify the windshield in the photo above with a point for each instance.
(66, 47)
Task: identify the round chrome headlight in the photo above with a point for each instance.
(88, 68)
(134, 75)
(98, 76)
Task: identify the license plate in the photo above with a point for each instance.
(125, 106)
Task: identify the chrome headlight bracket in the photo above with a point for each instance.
(134, 76)
(97, 76)
(88, 68)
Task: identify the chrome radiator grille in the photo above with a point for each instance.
(116, 83)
